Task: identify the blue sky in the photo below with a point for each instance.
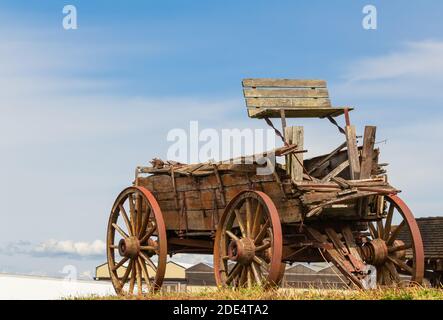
(81, 108)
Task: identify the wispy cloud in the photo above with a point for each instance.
(413, 59)
(57, 248)
(412, 71)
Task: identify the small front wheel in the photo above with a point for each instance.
(249, 243)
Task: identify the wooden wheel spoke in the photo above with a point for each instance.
(380, 229)
(388, 223)
(395, 233)
(399, 248)
(262, 232)
(149, 233)
(248, 217)
(240, 223)
(145, 272)
(132, 213)
(234, 272)
(266, 245)
(126, 274)
(257, 273)
(250, 276)
(401, 264)
(132, 281)
(257, 218)
(125, 218)
(391, 268)
(231, 235)
(148, 248)
(145, 222)
(148, 261)
(122, 233)
(118, 265)
(139, 279)
(261, 262)
(372, 230)
(139, 214)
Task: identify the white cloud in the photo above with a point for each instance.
(57, 248)
(54, 247)
(412, 71)
(414, 59)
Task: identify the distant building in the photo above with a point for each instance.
(175, 278)
(431, 230)
(102, 272)
(304, 276)
(201, 276)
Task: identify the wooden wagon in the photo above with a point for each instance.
(256, 214)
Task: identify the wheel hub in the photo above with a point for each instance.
(375, 252)
(129, 247)
(241, 251)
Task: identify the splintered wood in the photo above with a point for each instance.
(367, 154)
(353, 157)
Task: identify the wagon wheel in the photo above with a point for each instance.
(248, 244)
(136, 232)
(396, 246)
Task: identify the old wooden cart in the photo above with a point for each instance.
(338, 207)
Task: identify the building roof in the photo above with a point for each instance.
(431, 230)
(200, 267)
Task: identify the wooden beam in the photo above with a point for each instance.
(307, 112)
(353, 157)
(295, 135)
(367, 156)
(288, 102)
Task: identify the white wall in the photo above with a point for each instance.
(41, 288)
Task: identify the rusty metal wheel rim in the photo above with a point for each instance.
(137, 238)
(388, 272)
(259, 220)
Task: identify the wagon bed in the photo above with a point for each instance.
(338, 207)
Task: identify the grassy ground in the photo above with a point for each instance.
(295, 294)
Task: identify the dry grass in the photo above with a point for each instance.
(415, 293)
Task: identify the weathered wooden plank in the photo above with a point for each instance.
(322, 112)
(284, 83)
(286, 93)
(288, 102)
(295, 135)
(367, 155)
(353, 156)
(337, 170)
